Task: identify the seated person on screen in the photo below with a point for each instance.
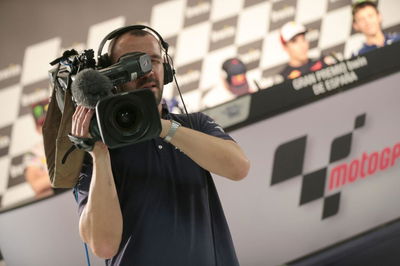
(234, 83)
(368, 20)
(35, 160)
(293, 39)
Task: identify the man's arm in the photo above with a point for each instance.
(100, 224)
(219, 156)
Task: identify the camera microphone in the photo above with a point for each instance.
(89, 87)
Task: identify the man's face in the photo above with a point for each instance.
(153, 80)
(297, 48)
(367, 20)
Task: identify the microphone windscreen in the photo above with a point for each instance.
(89, 87)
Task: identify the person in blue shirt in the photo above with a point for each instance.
(154, 202)
(368, 20)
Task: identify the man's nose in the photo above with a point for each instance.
(149, 74)
(145, 76)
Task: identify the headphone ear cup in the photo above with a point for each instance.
(168, 73)
(103, 61)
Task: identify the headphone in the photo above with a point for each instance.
(104, 61)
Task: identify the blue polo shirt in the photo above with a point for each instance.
(171, 211)
(389, 39)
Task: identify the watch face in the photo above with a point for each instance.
(175, 124)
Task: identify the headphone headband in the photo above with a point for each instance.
(122, 30)
(104, 60)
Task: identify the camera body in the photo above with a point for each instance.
(121, 118)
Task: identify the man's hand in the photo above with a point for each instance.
(80, 128)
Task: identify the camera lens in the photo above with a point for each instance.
(128, 118)
(125, 118)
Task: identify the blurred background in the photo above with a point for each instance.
(202, 34)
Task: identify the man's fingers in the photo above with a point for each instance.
(81, 120)
(87, 117)
(78, 120)
(75, 116)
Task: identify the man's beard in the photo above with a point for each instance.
(157, 93)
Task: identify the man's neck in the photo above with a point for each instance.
(378, 39)
(297, 63)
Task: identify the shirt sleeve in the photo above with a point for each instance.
(206, 124)
(81, 189)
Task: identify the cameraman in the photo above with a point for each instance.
(154, 203)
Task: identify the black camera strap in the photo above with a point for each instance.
(85, 144)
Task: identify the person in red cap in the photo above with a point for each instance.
(368, 20)
(292, 36)
(234, 83)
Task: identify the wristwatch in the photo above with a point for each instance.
(172, 130)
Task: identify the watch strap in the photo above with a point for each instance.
(172, 130)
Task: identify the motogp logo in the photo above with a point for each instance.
(289, 158)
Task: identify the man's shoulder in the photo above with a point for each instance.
(290, 72)
(389, 39)
(286, 70)
(185, 116)
(366, 48)
(392, 37)
(195, 117)
(201, 122)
